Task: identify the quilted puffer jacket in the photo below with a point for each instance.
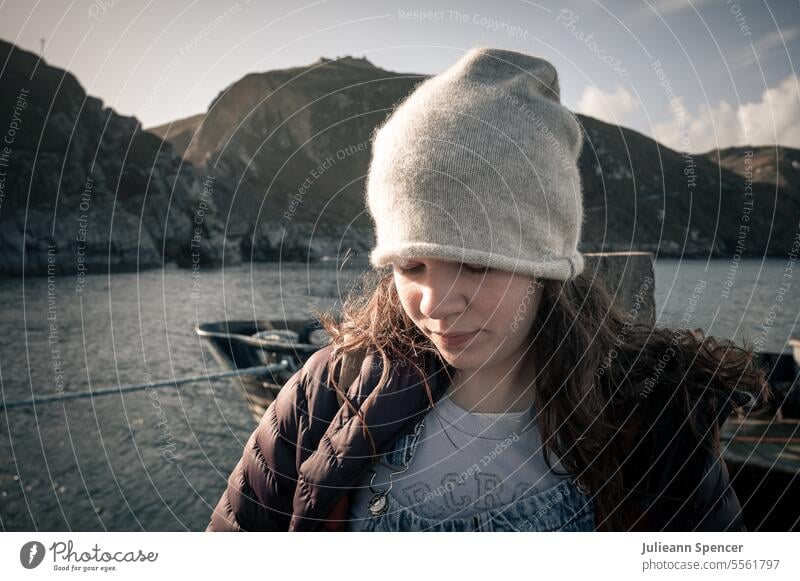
(308, 451)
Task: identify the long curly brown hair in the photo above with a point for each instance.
(596, 366)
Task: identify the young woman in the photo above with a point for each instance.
(486, 382)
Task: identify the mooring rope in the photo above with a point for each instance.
(263, 369)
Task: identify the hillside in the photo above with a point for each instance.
(641, 195)
(268, 137)
(769, 164)
(278, 164)
(289, 149)
(86, 190)
(179, 133)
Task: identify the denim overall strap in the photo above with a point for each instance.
(563, 507)
(406, 445)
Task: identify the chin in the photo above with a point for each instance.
(465, 358)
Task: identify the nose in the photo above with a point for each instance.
(442, 294)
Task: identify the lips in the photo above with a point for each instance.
(454, 335)
(456, 340)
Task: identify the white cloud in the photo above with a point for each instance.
(773, 119)
(771, 44)
(710, 127)
(663, 8)
(776, 119)
(608, 107)
(776, 39)
(669, 6)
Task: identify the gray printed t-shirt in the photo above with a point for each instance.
(497, 458)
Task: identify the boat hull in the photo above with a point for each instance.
(235, 346)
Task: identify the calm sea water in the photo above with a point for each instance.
(159, 460)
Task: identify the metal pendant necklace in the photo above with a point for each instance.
(378, 503)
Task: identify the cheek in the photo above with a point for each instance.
(409, 299)
(515, 310)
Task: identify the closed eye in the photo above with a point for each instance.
(478, 269)
(409, 270)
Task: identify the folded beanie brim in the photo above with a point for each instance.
(543, 267)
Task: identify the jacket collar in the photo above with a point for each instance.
(344, 454)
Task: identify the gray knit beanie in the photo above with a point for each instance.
(479, 165)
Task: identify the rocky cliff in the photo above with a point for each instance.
(641, 195)
(769, 164)
(83, 189)
(180, 132)
(277, 164)
(292, 147)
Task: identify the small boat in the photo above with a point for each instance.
(242, 344)
(763, 458)
(762, 451)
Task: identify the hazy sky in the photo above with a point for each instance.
(727, 71)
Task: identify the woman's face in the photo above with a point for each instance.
(496, 307)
